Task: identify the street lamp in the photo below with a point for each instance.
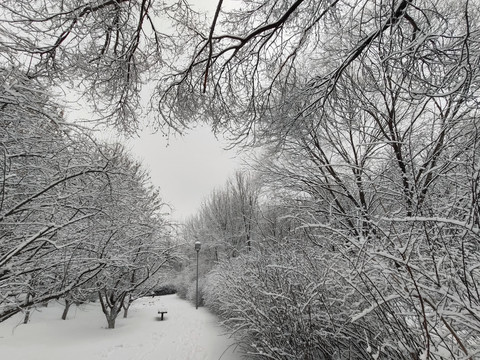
(198, 244)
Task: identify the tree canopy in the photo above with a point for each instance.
(255, 70)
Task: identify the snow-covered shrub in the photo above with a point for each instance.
(299, 301)
(183, 281)
(290, 304)
(164, 289)
(185, 285)
(191, 293)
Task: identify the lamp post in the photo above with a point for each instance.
(198, 244)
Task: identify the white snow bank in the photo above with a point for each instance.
(184, 334)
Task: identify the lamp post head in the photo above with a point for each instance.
(198, 244)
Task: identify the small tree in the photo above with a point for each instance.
(135, 244)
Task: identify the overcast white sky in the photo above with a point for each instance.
(186, 169)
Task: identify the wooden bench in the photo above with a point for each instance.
(161, 312)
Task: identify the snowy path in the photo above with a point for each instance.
(184, 334)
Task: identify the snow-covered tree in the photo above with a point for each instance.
(102, 48)
(71, 210)
(225, 225)
(261, 67)
(227, 218)
(135, 238)
(380, 160)
(44, 208)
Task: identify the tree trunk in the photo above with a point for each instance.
(27, 316)
(27, 313)
(111, 307)
(111, 321)
(126, 305)
(65, 310)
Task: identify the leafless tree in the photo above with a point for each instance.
(65, 203)
(44, 208)
(380, 159)
(135, 243)
(261, 68)
(104, 49)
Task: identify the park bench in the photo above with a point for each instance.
(161, 312)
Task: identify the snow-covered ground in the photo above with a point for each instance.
(184, 334)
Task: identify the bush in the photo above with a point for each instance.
(191, 293)
(293, 305)
(182, 283)
(167, 289)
